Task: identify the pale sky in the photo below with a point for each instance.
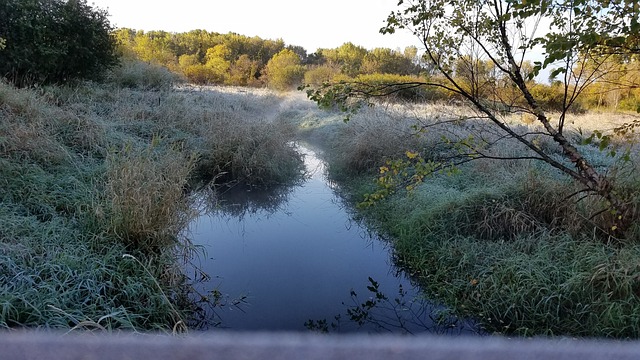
(310, 24)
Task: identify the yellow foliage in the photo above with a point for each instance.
(411, 155)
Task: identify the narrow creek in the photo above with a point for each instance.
(277, 260)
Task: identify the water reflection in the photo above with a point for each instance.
(399, 313)
(291, 258)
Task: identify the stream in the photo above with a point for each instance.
(292, 259)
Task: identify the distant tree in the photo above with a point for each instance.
(218, 63)
(125, 40)
(284, 71)
(194, 71)
(348, 57)
(155, 47)
(318, 75)
(387, 61)
(411, 53)
(54, 41)
(244, 71)
(188, 60)
(302, 52)
(316, 58)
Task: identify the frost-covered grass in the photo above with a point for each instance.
(95, 185)
(512, 243)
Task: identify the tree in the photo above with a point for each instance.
(218, 63)
(53, 41)
(243, 71)
(320, 74)
(155, 47)
(387, 61)
(478, 47)
(348, 56)
(284, 70)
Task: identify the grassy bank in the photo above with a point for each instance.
(500, 241)
(95, 188)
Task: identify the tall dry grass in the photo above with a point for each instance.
(146, 197)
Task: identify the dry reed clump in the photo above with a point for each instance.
(85, 134)
(436, 132)
(249, 151)
(28, 127)
(145, 196)
(241, 134)
(137, 74)
(369, 139)
(534, 205)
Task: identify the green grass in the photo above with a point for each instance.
(95, 193)
(489, 257)
(498, 241)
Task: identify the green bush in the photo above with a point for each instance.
(54, 41)
(630, 103)
(284, 71)
(320, 75)
(420, 93)
(137, 74)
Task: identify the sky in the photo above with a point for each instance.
(310, 24)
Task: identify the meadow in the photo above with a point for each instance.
(97, 188)
(99, 183)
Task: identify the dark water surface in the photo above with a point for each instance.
(294, 255)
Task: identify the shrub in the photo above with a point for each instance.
(54, 41)
(421, 93)
(146, 192)
(140, 75)
(320, 74)
(630, 103)
(284, 71)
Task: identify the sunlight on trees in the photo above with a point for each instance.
(284, 71)
(241, 60)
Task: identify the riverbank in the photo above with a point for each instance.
(95, 185)
(499, 241)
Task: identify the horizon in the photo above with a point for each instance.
(295, 25)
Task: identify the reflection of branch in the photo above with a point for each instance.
(204, 314)
(400, 314)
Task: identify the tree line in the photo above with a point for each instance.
(205, 57)
(54, 41)
(232, 59)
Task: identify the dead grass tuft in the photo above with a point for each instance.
(145, 196)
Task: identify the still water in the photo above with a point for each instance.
(276, 260)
